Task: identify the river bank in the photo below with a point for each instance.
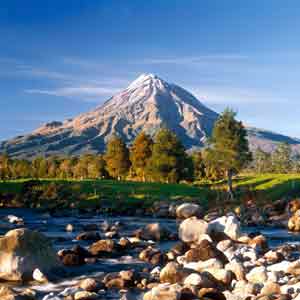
(70, 234)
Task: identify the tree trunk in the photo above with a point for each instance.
(229, 183)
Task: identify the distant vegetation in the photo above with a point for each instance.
(162, 160)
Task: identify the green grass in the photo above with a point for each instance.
(267, 187)
(115, 191)
(264, 188)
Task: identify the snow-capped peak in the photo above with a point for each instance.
(144, 79)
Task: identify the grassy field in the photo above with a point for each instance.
(263, 188)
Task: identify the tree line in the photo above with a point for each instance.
(160, 159)
(282, 161)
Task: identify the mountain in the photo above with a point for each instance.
(148, 104)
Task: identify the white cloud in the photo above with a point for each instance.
(43, 73)
(84, 91)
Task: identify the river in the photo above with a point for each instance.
(54, 228)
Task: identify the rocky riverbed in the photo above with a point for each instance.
(89, 256)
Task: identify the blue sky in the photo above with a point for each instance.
(59, 58)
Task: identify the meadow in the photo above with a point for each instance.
(90, 193)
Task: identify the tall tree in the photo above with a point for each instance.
(282, 158)
(229, 148)
(96, 167)
(117, 158)
(4, 167)
(140, 153)
(199, 165)
(66, 168)
(168, 162)
(262, 162)
(80, 169)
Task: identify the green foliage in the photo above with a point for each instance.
(117, 158)
(229, 149)
(140, 153)
(169, 162)
(4, 167)
(282, 159)
(262, 162)
(121, 196)
(198, 165)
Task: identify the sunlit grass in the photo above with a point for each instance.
(265, 186)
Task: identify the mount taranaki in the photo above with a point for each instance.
(148, 104)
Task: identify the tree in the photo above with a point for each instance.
(40, 167)
(80, 169)
(198, 165)
(117, 158)
(168, 162)
(96, 167)
(21, 169)
(53, 167)
(66, 168)
(140, 153)
(229, 149)
(4, 167)
(282, 158)
(262, 161)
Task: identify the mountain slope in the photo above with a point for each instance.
(148, 104)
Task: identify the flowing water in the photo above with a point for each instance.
(54, 228)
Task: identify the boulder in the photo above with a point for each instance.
(128, 275)
(202, 281)
(89, 284)
(283, 266)
(294, 222)
(164, 291)
(259, 243)
(85, 295)
(270, 288)
(7, 294)
(102, 247)
(201, 266)
(224, 245)
(204, 251)
(237, 268)
(211, 294)
(22, 251)
(294, 205)
(153, 256)
(69, 228)
(273, 256)
(179, 249)
(194, 279)
(294, 268)
(192, 230)
(38, 276)
(244, 289)
(187, 210)
(14, 220)
(223, 276)
(229, 225)
(257, 275)
(173, 273)
(88, 236)
(153, 231)
(72, 259)
(116, 283)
